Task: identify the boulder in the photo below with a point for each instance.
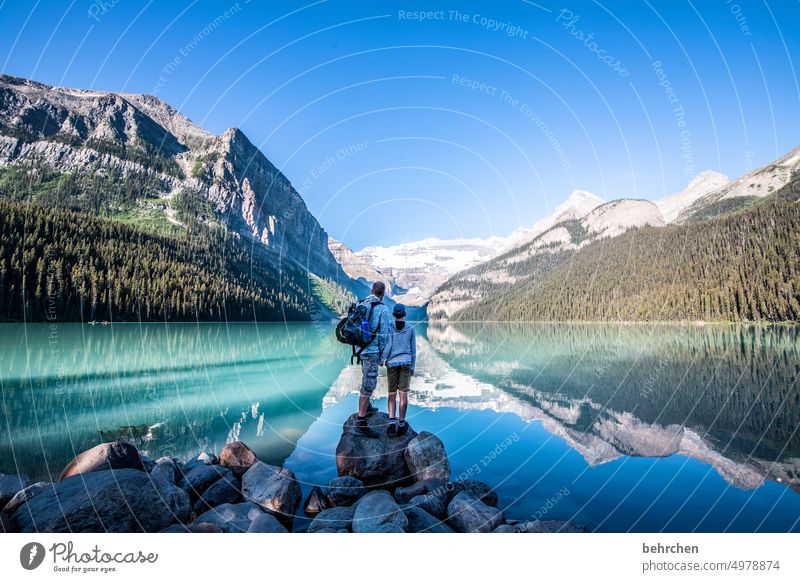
(377, 512)
(504, 528)
(200, 459)
(332, 519)
(200, 477)
(426, 457)
(115, 455)
(316, 502)
(275, 489)
(24, 495)
(431, 503)
(344, 491)
(114, 500)
(10, 485)
(224, 490)
(379, 462)
(433, 485)
(6, 525)
(166, 469)
(192, 528)
(466, 513)
(238, 457)
(231, 517)
(549, 526)
(479, 488)
(266, 523)
(420, 521)
(147, 462)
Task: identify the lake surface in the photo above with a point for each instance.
(618, 427)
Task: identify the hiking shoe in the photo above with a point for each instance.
(363, 429)
(392, 430)
(402, 428)
(371, 409)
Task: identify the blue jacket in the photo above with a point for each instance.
(380, 314)
(401, 347)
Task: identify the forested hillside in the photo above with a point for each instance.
(741, 267)
(62, 265)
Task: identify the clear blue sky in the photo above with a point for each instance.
(370, 112)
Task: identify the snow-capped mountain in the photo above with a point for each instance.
(748, 188)
(705, 182)
(417, 268)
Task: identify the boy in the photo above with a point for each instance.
(400, 358)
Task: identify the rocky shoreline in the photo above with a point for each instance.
(385, 485)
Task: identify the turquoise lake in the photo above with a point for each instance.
(619, 427)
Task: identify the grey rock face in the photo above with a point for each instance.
(378, 512)
(114, 455)
(479, 488)
(332, 519)
(275, 489)
(420, 521)
(114, 500)
(426, 457)
(433, 485)
(468, 514)
(376, 462)
(231, 517)
(24, 495)
(316, 502)
(201, 477)
(345, 491)
(266, 523)
(10, 485)
(224, 490)
(238, 457)
(432, 503)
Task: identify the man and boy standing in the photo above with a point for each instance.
(395, 346)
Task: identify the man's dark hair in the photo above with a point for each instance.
(378, 288)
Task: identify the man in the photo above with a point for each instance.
(371, 357)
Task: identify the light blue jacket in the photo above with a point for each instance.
(401, 347)
(380, 314)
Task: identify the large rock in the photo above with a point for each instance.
(114, 500)
(224, 490)
(549, 526)
(275, 489)
(426, 458)
(468, 514)
(377, 512)
(479, 488)
(231, 517)
(420, 521)
(24, 495)
(166, 469)
(344, 491)
(434, 485)
(200, 459)
(316, 502)
(332, 519)
(266, 523)
(115, 455)
(238, 457)
(431, 503)
(6, 525)
(10, 485)
(192, 528)
(379, 462)
(199, 478)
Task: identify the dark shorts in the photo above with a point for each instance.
(399, 378)
(369, 374)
